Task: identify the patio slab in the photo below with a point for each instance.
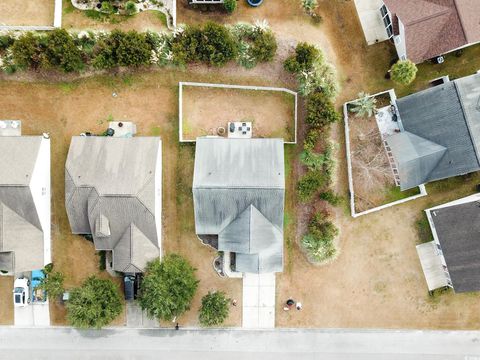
(371, 20)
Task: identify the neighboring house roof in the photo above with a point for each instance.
(434, 27)
(21, 233)
(442, 135)
(456, 226)
(110, 192)
(238, 192)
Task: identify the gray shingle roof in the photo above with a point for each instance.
(110, 190)
(443, 115)
(416, 157)
(458, 231)
(238, 192)
(21, 234)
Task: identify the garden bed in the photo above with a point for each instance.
(204, 108)
(372, 180)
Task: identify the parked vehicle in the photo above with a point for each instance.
(38, 295)
(21, 292)
(129, 287)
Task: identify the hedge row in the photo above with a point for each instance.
(212, 44)
(317, 82)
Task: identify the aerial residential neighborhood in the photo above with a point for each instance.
(239, 178)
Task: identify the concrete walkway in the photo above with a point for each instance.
(258, 301)
(119, 344)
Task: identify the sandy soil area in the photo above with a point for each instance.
(27, 12)
(205, 109)
(6, 303)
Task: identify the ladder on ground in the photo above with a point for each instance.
(393, 165)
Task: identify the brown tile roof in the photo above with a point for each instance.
(432, 27)
(469, 12)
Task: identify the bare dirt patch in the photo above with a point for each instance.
(205, 109)
(6, 308)
(27, 12)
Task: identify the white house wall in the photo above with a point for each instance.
(158, 196)
(40, 188)
(399, 41)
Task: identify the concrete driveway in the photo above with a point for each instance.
(34, 314)
(258, 301)
(371, 20)
(136, 318)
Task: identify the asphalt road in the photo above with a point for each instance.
(119, 344)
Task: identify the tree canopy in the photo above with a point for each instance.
(52, 283)
(95, 304)
(168, 287)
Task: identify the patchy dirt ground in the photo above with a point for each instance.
(206, 109)
(6, 302)
(27, 12)
(74, 19)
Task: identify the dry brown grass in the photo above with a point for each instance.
(371, 171)
(205, 109)
(27, 12)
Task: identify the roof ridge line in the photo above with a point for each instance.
(465, 118)
(445, 11)
(455, 3)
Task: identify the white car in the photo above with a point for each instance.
(21, 292)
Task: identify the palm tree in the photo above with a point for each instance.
(364, 106)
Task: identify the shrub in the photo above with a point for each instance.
(52, 283)
(130, 8)
(305, 57)
(168, 287)
(214, 310)
(62, 52)
(364, 106)
(310, 184)
(320, 111)
(310, 6)
(330, 197)
(95, 304)
(264, 46)
(134, 49)
(27, 53)
(6, 41)
(403, 72)
(321, 78)
(106, 7)
(230, 5)
(314, 161)
(311, 139)
(122, 49)
(217, 46)
(319, 241)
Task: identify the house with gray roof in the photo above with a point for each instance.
(113, 190)
(440, 132)
(24, 202)
(239, 195)
(452, 259)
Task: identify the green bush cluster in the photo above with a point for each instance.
(319, 242)
(168, 287)
(94, 304)
(256, 44)
(230, 5)
(212, 43)
(214, 310)
(403, 72)
(52, 283)
(320, 111)
(320, 167)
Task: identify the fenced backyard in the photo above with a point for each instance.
(206, 109)
(373, 180)
(30, 14)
